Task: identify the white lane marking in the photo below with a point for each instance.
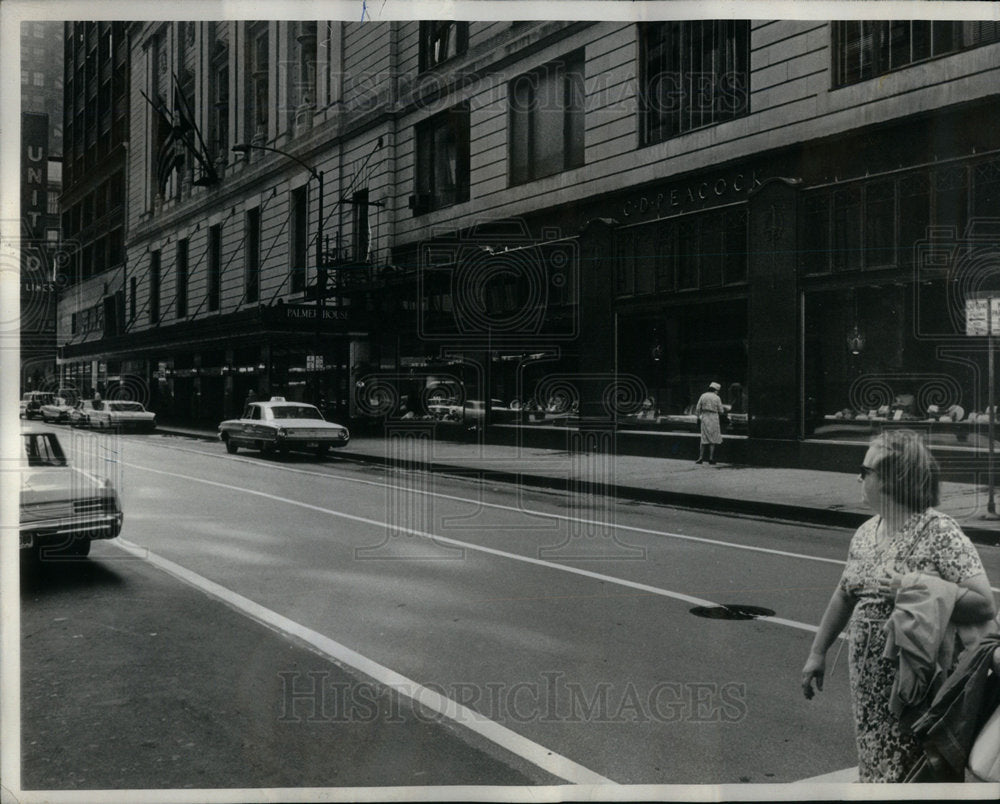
(521, 510)
(697, 601)
(846, 776)
(529, 750)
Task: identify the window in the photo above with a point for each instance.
(547, 120)
(101, 200)
(132, 288)
(705, 250)
(692, 74)
(914, 212)
(442, 161)
(299, 245)
(306, 87)
(89, 204)
(880, 224)
(116, 247)
(361, 230)
(950, 196)
(734, 247)
(986, 195)
(252, 268)
(182, 278)
(441, 40)
(214, 266)
(73, 322)
(154, 287)
(258, 62)
(866, 48)
(162, 153)
(87, 261)
(116, 191)
(846, 230)
(218, 118)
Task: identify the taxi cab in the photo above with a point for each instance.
(278, 425)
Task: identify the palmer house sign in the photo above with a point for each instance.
(691, 195)
(291, 314)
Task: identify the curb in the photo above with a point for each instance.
(700, 502)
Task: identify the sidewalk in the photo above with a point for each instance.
(803, 495)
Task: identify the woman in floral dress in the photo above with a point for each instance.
(900, 482)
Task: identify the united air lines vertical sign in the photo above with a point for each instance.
(34, 179)
(37, 280)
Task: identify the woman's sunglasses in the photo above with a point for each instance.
(865, 471)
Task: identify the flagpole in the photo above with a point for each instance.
(200, 154)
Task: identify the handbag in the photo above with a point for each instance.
(984, 758)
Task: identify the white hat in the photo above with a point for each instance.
(715, 386)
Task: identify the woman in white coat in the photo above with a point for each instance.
(708, 411)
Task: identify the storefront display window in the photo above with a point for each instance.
(677, 353)
(869, 364)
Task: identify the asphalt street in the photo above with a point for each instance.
(266, 622)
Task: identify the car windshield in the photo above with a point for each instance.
(131, 407)
(295, 412)
(42, 449)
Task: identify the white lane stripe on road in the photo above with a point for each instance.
(642, 587)
(529, 511)
(537, 754)
(846, 776)
(545, 514)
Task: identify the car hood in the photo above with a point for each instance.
(42, 484)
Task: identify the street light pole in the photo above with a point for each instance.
(321, 274)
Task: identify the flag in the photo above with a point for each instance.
(169, 156)
(175, 131)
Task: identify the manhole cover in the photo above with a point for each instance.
(731, 611)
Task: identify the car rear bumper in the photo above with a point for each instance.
(59, 530)
(294, 442)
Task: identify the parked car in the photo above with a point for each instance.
(471, 411)
(112, 414)
(77, 415)
(280, 426)
(32, 401)
(57, 411)
(62, 509)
